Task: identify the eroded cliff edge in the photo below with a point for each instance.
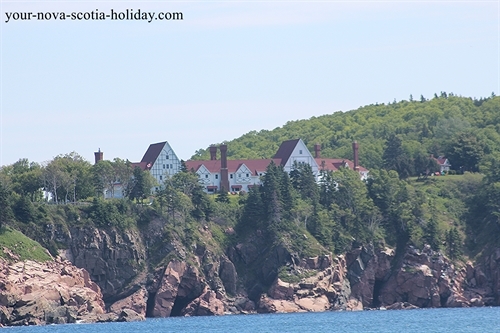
(112, 274)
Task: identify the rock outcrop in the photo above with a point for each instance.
(113, 259)
(326, 289)
(53, 292)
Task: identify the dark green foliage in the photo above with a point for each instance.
(140, 185)
(303, 181)
(5, 210)
(253, 215)
(222, 196)
(395, 157)
(466, 152)
(24, 210)
(110, 213)
(432, 234)
(454, 243)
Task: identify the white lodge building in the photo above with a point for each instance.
(161, 161)
(241, 175)
(235, 175)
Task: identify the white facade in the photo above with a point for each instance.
(301, 154)
(166, 164)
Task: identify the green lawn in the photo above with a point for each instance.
(21, 246)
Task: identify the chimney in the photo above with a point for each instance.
(98, 156)
(355, 147)
(224, 177)
(317, 150)
(213, 153)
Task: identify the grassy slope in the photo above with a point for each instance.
(21, 246)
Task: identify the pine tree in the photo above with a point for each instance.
(454, 243)
(222, 196)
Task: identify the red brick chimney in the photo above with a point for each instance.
(213, 153)
(317, 150)
(224, 178)
(355, 147)
(99, 156)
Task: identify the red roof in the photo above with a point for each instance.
(333, 164)
(255, 166)
(285, 150)
(153, 152)
(441, 160)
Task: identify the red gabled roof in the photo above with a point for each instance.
(441, 160)
(333, 164)
(285, 150)
(255, 166)
(153, 152)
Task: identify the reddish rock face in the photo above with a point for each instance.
(206, 305)
(137, 302)
(169, 287)
(43, 293)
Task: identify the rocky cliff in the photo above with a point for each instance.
(125, 275)
(55, 292)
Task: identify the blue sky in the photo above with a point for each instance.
(226, 69)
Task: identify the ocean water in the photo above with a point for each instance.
(407, 321)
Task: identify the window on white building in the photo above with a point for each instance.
(247, 174)
(206, 176)
(216, 176)
(300, 152)
(166, 157)
(231, 176)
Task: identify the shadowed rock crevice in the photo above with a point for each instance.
(150, 305)
(180, 304)
(376, 293)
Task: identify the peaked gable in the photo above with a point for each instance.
(153, 152)
(285, 150)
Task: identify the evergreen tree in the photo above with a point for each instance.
(253, 212)
(395, 157)
(141, 184)
(222, 196)
(454, 243)
(432, 234)
(303, 180)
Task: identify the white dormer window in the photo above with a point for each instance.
(206, 176)
(216, 176)
(247, 175)
(231, 176)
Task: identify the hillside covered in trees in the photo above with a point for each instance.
(465, 130)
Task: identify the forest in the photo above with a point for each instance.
(400, 203)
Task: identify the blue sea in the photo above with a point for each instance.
(407, 321)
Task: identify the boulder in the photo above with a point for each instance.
(206, 305)
(136, 302)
